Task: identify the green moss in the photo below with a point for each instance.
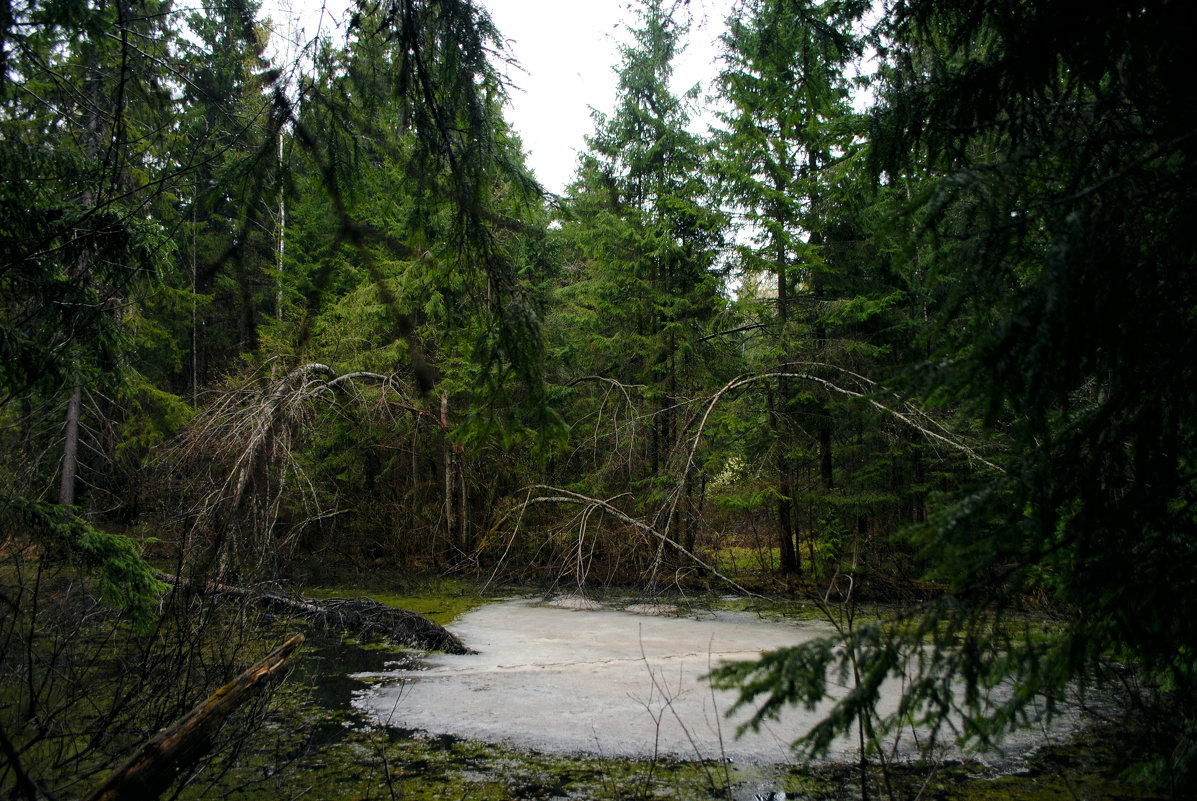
(374, 763)
(441, 601)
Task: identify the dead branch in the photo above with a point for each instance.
(577, 499)
(157, 763)
(357, 615)
(745, 379)
(907, 418)
(245, 439)
(621, 386)
(630, 424)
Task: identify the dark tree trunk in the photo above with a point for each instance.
(70, 450)
(791, 560)
(790, 556)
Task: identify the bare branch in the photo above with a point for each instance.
(565, 496)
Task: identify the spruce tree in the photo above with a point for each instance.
(650, 236)
(1048, 151)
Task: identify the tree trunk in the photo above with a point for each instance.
(412, 508)
(820, 334)
(158, 763)
(463, 517)
(282, 229)
(688, 522)
(791, 557)
(70, 450)
(447, 458)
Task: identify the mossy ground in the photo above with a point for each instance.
(440, 600)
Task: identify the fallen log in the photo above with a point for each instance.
(356, 615)
(157, 763)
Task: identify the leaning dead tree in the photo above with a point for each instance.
(356, 615)
(238, 465)
(669, 527)
(155, 765)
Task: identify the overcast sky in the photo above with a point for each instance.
(568, 51)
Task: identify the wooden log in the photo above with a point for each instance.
(357, 615)
(156, 764)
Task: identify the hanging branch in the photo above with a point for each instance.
(630, 422)
(907, 418)
(745, 379)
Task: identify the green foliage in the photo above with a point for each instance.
(152, 419)
(825, 309)
(644, 236)
(1006, 238)
(1034, 169)
(1063, 215)
(66, 267)
(113, 562)
(429, 202)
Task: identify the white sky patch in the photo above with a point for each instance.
(569, 53)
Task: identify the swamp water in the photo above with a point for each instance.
(576, 678)
(552, 703)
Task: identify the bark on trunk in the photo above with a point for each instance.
(791, 561)
(447, 454)
(70, 450)
(790, 555)
(157, 764)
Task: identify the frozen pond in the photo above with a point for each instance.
(609, 682)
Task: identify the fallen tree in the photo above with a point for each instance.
(356, 615)
(159, 762)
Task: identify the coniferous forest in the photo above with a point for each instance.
(911, 324)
